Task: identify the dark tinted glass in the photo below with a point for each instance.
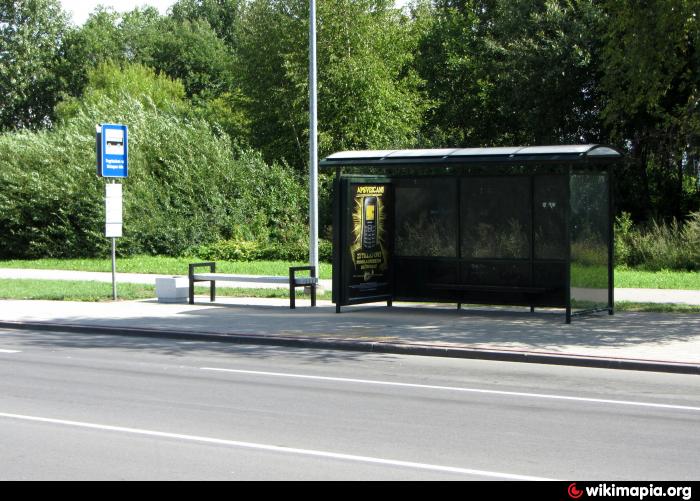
(590, 232)
(550, 217)
(516, 274)
(496, 217)
(426, 217)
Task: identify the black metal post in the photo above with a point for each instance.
(313, 286)
(212, 285)
(292, 290)
(611, 243)
(567, 239)
(191, 277)
(532, 235)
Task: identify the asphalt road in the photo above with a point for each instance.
(76, 406)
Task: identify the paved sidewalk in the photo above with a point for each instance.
(663, 340)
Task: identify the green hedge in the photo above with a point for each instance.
(244, 250)
(186, 186)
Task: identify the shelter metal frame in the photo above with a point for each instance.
(570, 166)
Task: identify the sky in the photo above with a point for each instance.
(81, 9)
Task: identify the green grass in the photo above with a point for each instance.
(160, 265)
(656, 308)
(70, 290)
(595, 277)
(64, 290)
(664, 279)
(624, 277)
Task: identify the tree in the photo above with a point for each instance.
(191, 52)
(449, 59)
(187, 50)
(98, 40)
(504, 72)
(651, 83)
(32, 33)
(543, 70)
(222, 16)
(368, 95)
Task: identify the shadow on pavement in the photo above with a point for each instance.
(58, 339)
(495, 327)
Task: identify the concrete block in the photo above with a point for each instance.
(172, 289)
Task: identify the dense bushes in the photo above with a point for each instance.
(186, 186)
(658, 246)
(246, 250)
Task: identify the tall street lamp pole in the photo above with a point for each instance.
(313, 146)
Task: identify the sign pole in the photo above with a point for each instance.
(112, 145)
(114, 263)
(114, 269)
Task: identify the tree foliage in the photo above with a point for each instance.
(369, 97)
(212, 79)
(651, 80)
(32, 34)
(222, 16)
(505, 72)
(187, 50)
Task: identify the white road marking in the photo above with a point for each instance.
(457, 389)
(276, 448)
(10, 351)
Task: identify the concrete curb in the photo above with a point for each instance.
(370, 347)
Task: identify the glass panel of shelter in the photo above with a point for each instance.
(426, 217)
(590, 240)
(482, 230)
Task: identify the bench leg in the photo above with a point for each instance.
(313, 294)
(191, 291)
(212, 291)
(337, 308)
(532, 309)
(292, 296)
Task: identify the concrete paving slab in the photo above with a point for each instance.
(660, 337)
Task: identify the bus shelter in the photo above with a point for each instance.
(522, 226)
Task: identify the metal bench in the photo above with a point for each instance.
(529, 291)
(212, 277)
(488, 288)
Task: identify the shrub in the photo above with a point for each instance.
(229, 250)
(325, 251)
(186, 186)
(691, 236)
(659, 246)
(245, 250)
(623, 236)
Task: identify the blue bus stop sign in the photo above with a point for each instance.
(112, 150)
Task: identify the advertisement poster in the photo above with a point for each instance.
(370, 239)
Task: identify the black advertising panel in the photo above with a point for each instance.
(367, 241)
